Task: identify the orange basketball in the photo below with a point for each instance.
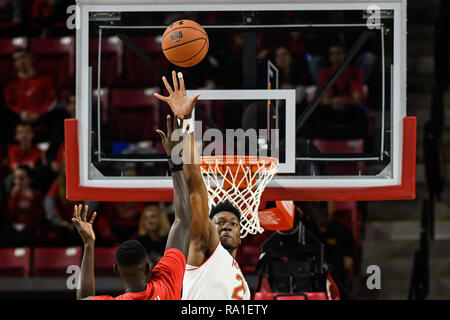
(185, 43)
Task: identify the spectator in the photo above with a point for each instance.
(316, 62)
(59, 210)
(120, 221)
(25, 220)
(342, 114)
(11, 11)
(31, 98)
(154, 226)
(348, 88)
(24, 153)
(291, 74)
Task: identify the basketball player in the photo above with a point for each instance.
(165, 281)
(211, 272)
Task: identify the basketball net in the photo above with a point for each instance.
(241, 181)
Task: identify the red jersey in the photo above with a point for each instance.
(166, 281)
(17, 156)
(351, 80)
(35, 94)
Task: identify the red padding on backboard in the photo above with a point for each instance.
(75, 192)
(405, 190)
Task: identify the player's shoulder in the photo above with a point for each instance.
(174, 253)
(172, 259)
(102, 298)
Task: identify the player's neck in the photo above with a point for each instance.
(233, 252)
(134, 287)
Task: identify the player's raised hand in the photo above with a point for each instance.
(83, 226)
(180, 104)
(173, 137)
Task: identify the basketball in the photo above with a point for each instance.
(185, 43)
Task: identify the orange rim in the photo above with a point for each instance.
(233, 162)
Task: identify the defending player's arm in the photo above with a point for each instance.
(87, 280)
(203, 231)
(203, 235)
(179, 235)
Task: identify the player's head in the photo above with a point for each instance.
(226, 218)
(131, 262)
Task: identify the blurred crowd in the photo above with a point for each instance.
(34, 103)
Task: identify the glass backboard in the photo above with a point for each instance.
(319, 86)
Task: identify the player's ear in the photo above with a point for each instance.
(147, 270)
(116, 270)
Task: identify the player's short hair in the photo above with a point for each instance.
(225, 206)
(130, 253)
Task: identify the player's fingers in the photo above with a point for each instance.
(85, 212)
(160, 97)
(195, 98)
(78, 212)
(169, 126)
(93, 217)
(175, 123)
(161, 134)
(180, 77)
(169, 89)
(175, 81)
(75, 212)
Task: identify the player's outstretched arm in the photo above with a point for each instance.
(87, 279)
(180, 232)
(203, 234)
(178, 101)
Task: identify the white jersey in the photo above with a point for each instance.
(218, 278)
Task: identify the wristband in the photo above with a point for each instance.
(174, 167)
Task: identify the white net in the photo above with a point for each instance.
(242, 183)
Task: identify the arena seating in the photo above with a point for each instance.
(43, 262)
(111, 61)
(15, 262)
(54, 261)
(248, 253)
(56, 58)
(104, 260)
(135, 115)
(137, 72)
(342, 146)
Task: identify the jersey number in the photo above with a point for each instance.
(239, 289)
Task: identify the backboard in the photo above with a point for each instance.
(264, 84)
